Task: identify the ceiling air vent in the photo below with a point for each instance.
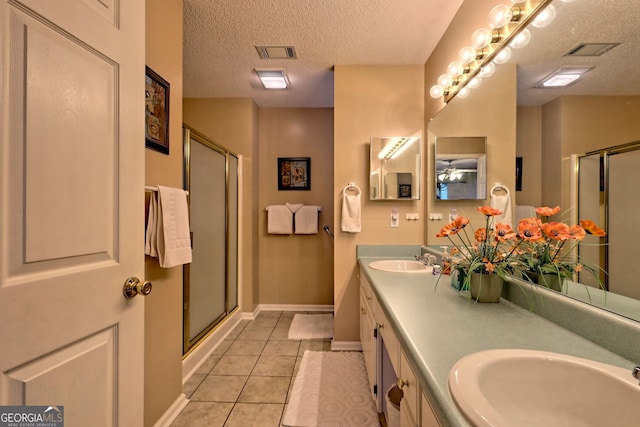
(591, 49)
(276, 52)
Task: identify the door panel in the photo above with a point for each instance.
(207, 282)
(71, 208)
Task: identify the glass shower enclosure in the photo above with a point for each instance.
(210, 285)
(607, 193)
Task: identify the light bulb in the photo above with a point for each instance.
(487, 70)
(503, 56)
(467, 54)
(567, 1)
(455, 69)
(545, 17)
(481, 38)
(445, 80)
(521, 39)
(474, 82)
(436, 91)
(518, 1)
(464, 92)
(500, 16)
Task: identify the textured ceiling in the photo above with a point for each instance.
(220, 38)
(583, 21)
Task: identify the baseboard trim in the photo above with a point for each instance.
(199, 355)
(295, 307)
(346, 346)
(172, 413)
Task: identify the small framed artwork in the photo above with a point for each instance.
(518, 173)
(404, 191)
(294, 173)
(156, 112)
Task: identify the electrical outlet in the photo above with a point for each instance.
(395, 218)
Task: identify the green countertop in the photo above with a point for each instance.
(436, 327)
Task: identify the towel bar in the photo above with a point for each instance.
(153, 189)
(319, 209)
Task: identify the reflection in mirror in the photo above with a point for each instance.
(461, 168)
(598, 111)
(394, 168)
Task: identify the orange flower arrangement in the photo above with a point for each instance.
(536, 247)
(491, 251)
(545, 241)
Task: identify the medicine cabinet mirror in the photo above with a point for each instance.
(461, 168)
(394, 168)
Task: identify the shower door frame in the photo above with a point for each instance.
(605, 189)
(189, 344)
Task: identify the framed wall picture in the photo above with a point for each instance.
(156, 112)
(294, 173)
(518, 173)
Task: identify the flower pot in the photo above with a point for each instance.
(485, 287)
(548, 280)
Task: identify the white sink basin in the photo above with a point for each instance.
(534, 388)
(400, 266)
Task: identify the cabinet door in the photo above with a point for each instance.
(428, 417)
(409, 387)
(368, 342)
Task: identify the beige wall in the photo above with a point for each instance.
(370, 101)
(577, 125)
(296, 269)
(163, 307)
(490, 111)
(233, 124)
(528, 143)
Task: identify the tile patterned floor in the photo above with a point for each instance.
(248, 378)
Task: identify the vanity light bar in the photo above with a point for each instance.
(490, 43)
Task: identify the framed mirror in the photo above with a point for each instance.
(461, 168)
(394, 168)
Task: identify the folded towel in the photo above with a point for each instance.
(306, 220)
(350, 221)
(294, 207)
(502, 203)
(279, 219)
(168, 235)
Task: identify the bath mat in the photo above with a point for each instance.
(331, 389)
(311, 326)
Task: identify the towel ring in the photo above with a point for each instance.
(351, 187)
(499, 186)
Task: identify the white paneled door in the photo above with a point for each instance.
(71, 207)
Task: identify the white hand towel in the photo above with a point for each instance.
(502, 203)
(279, 220)
(150, 242)
(350, 221)
(173, 237)
(306, 220)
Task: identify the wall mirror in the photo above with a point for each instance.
(394, 168)
(601, 36)
(461, 168)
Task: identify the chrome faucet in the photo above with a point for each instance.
(426, 259)
(636, 372)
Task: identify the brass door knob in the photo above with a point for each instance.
(133, 286)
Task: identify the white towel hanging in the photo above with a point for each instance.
(502, 203)
(351, 211)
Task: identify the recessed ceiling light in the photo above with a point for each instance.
(565, 76)
(273, 78)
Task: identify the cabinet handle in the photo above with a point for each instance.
(402, 383)
(363, 311)
(380, 326)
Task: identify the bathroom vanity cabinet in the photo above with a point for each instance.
(418, 326)
(378, 337)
